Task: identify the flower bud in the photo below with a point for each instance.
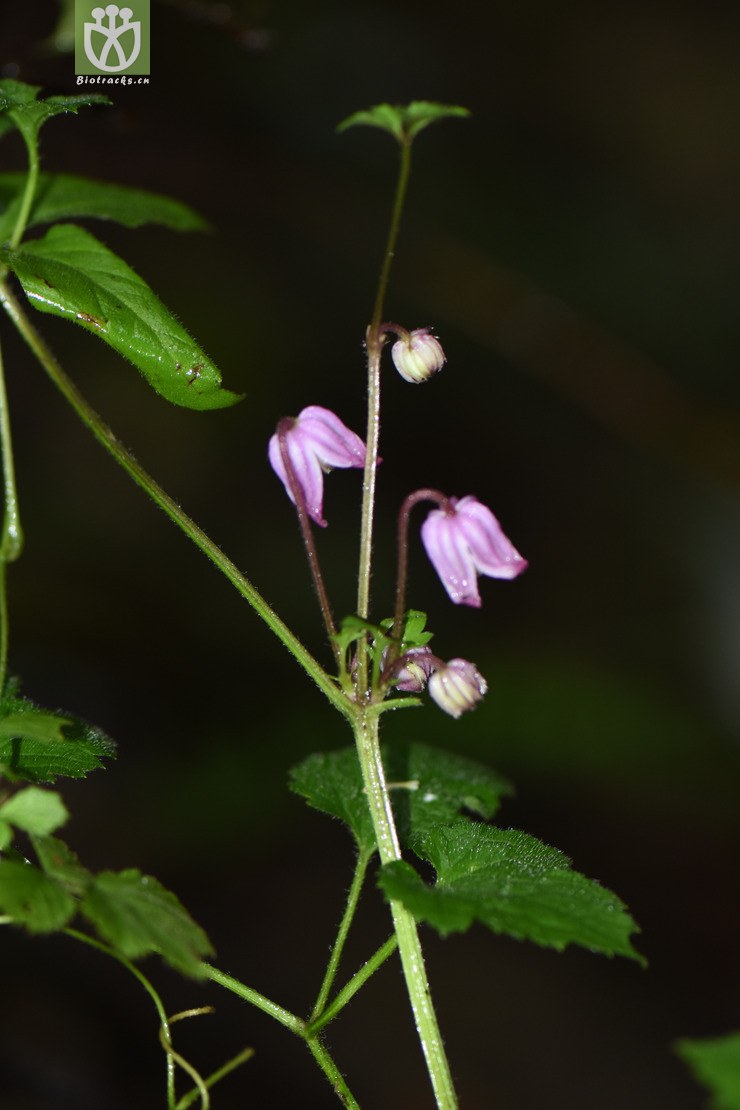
(418, 356)
(457, 687)
(415, 667)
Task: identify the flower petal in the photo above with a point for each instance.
(333, 443)
(451, 557)
(492, 552)
(307, 470)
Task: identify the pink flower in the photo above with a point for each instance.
(315, 441)
(464, 540)
(457, 687)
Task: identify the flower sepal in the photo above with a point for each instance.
(306, 447)
(464, 539)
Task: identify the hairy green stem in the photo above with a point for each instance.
(395, 223)
(374, 347)
(290, 1021)
(11, 536)
(353, 898)
(11, 540)
(332, 1073)
(187, 1067)
(29, 191)
(285, 1017)
(123, 457)
(164, 1024)
(3, 627)
(220, 1073)
(358, 980)
(409, 945)
(365, 723)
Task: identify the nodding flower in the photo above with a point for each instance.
(308, 445)
(464, 539)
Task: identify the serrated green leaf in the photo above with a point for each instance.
(39, 746)
(61, 196)
(69, 273)
(428, 787)
(19, 103)
(716, 1063)
(61, 864)
(32, 898)
(34, 811)
(437, 786)
(138, 916)
(332, 783)
(512, 883)
(16, 94)
(6, 835)
(403, 121)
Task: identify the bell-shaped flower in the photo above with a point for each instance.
(315, 441)
(418, 356)
(464, 540)
(457, 687)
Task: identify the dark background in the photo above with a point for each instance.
(575, 245)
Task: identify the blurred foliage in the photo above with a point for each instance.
(716, 1063)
